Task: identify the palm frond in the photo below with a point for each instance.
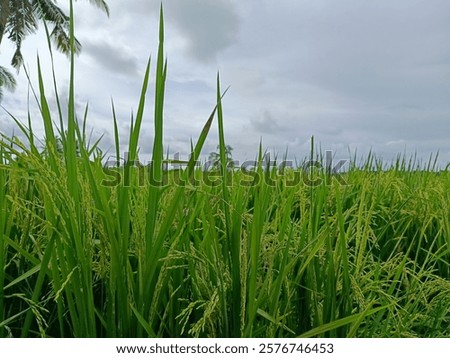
(4, 15)
(101, 4)
(61, 39)
(17, 59)
(20, 23)
(7, 80)
(48, 11)
(21, 20)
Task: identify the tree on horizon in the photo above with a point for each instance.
(214, 158)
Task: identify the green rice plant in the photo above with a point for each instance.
(3, 234)
(128, 251)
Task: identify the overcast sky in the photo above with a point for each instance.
(355, 74)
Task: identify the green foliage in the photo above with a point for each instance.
(18, 19)
(7, 81)
(229, 254)
(214, 158)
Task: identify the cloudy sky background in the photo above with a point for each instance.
(356, 75)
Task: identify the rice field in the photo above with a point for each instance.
(189, 253)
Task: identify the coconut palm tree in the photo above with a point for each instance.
(19, 18)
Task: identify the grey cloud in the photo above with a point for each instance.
(208, 26)
(376, 52)
(245, 79)
(267, 123)
(115, 57)
(361, 73)
(141, 8)
(371, 51)
(181, 87)
(355, 74)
